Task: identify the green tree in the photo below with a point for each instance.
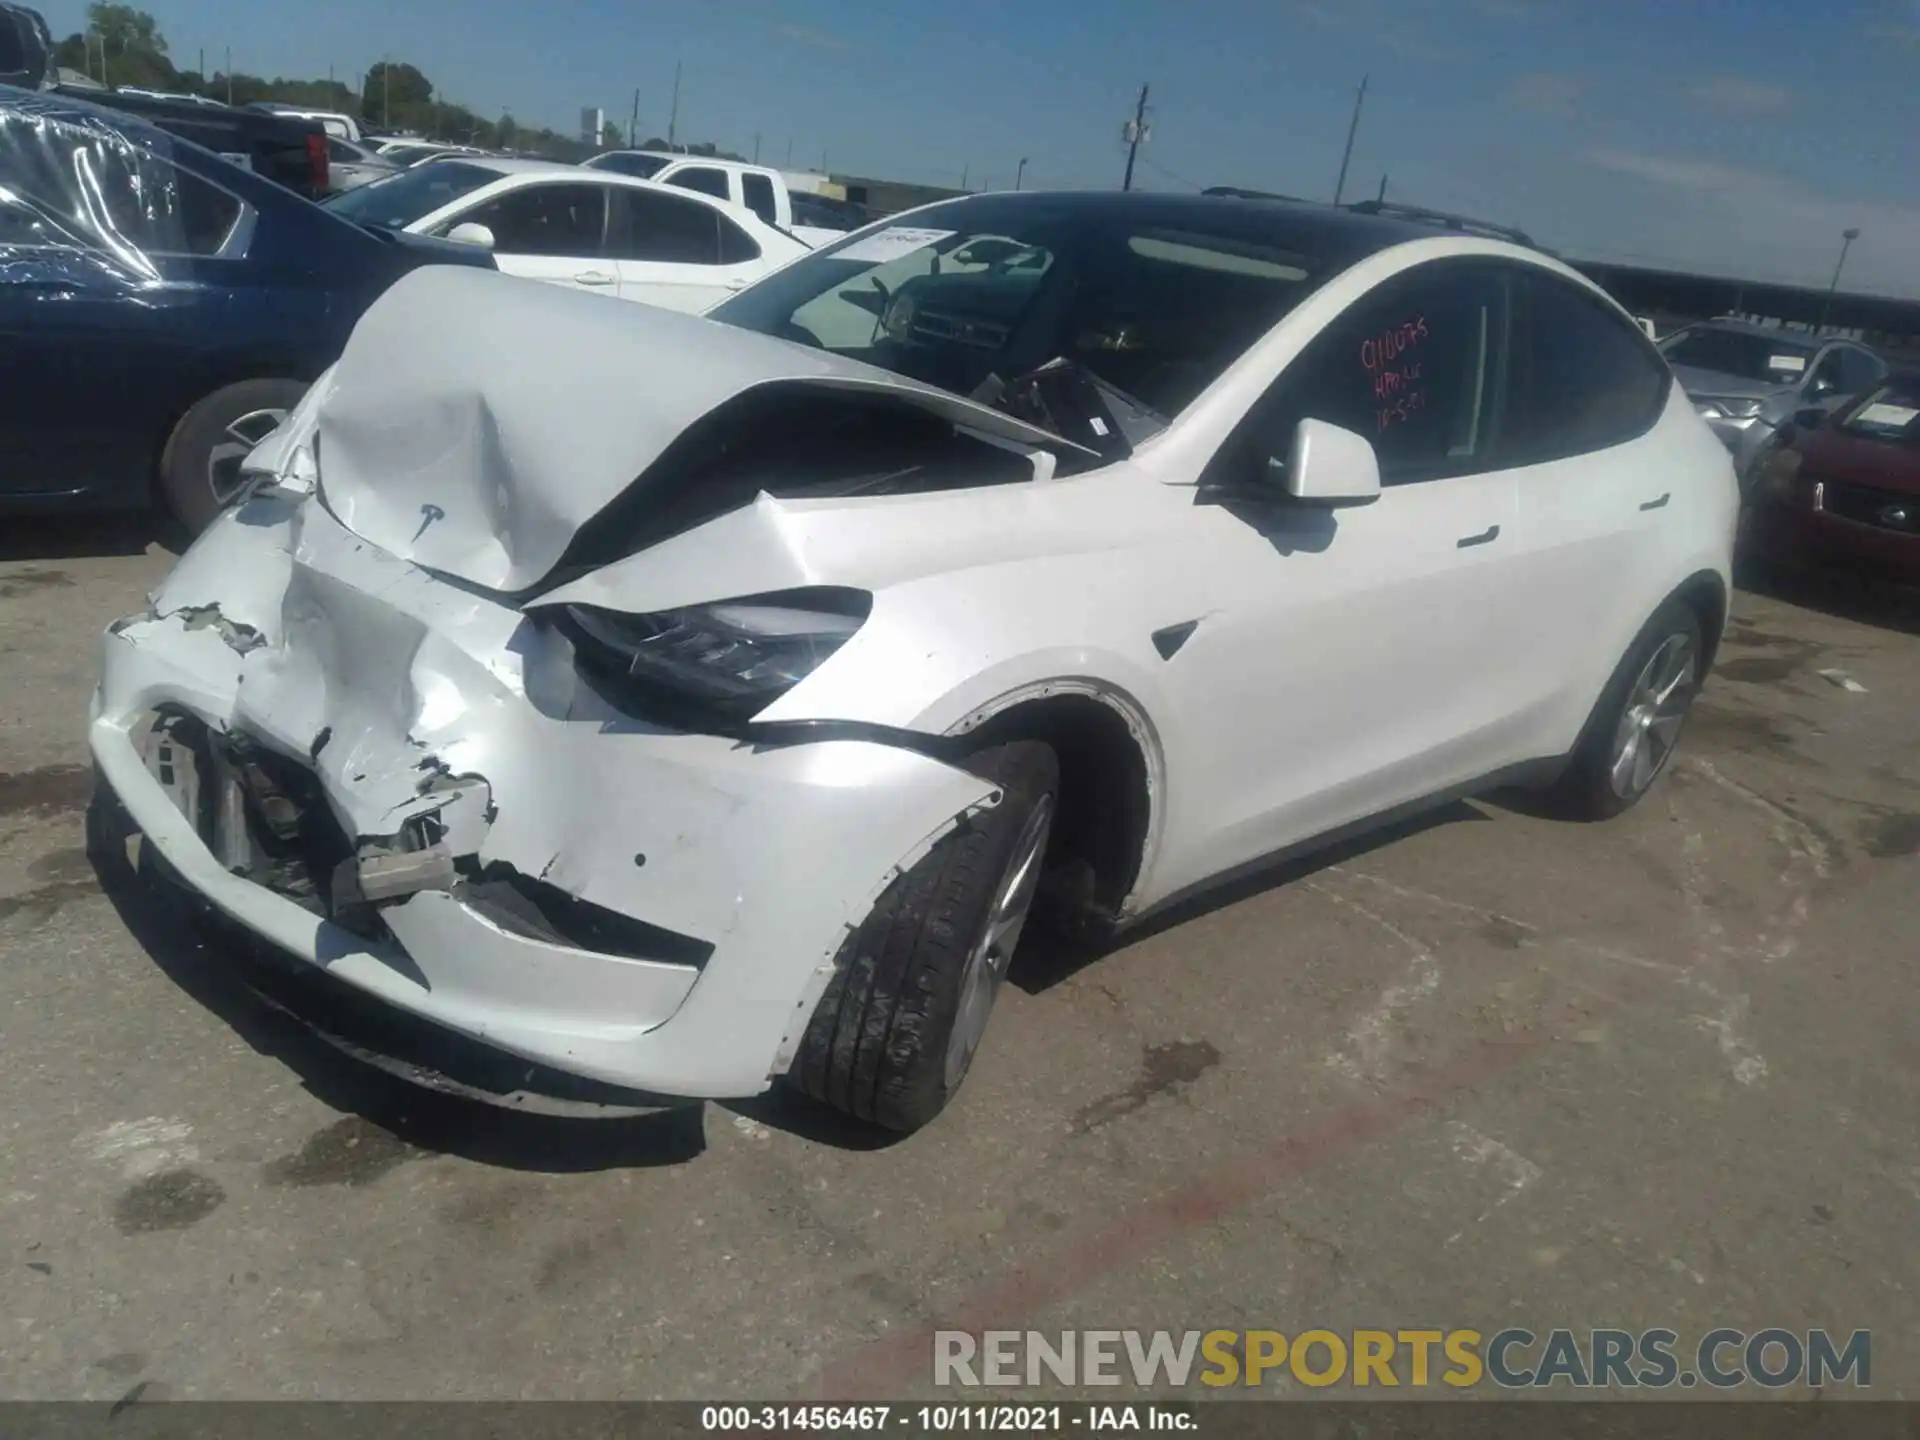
(612, 137)
(126, 30)
(391, 89)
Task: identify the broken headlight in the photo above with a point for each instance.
(735, 654)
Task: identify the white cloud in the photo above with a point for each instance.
(1740, 96)
(1546, 92)
(1757, 222)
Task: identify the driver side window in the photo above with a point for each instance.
(1418, 367)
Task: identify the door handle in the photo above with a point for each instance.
(593, 277)
(1485, 537)
(1656, 504)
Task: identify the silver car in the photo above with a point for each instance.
(351, 166)
(1748, 380)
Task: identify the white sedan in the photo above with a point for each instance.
(583, 229)
(684, 704)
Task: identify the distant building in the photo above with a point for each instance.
(593, 124)
(885, 197)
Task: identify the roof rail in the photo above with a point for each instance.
(1466, 224)
(1235, 192)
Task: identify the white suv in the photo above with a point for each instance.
(685, 703)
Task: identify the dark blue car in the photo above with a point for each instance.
(160, 309)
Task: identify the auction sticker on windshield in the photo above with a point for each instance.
(1790, 364)
(1894, 417)
(891, 243)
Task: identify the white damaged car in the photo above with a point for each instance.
(680, 704)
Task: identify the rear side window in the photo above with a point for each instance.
(1584, 377)
(758, 190)
(705, 179)
(667, 230)
(736, 246)
(559, 220)
(1417, 366)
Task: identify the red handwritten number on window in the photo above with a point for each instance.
(1394, 375)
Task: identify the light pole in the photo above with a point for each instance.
(1847, 237)
(1021, 173)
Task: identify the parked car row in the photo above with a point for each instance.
(594, 230)
(161, 309)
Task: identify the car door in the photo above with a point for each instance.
(679, 253)
(1358, 656)
(104, 318)
(550, 230)
(1597, 508)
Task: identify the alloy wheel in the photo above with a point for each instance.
(1655, 710)
(238, 440)
(987, 965)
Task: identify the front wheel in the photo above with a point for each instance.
(900, 1022)
(200, 467)
(1633, 730)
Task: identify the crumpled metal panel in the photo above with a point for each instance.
(82, 207)
(439, 444)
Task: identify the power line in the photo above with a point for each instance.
(1155, 165)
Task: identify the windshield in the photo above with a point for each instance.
(396, 201)
(1734, 352)
(1889, 413)
(972, 294)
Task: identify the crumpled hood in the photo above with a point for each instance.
(475, 422)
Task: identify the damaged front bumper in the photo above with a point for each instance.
(405, 782)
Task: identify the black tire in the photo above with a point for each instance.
(210, 440)
(1587, 789)
(877, 1045)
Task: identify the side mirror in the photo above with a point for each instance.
(468, 233)
(1330, 466)
(1811, 418)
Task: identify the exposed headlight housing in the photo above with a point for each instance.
(734, 656)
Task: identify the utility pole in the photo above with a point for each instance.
(103, 58)
(823, 161)
(633, 122)
(789, 152)
(1134, 134)
(1021, 173)
(1353, 126)
(673, 117)
(756, 147)
(1382, 197)
(386, 106)
(1847, 237)
(963, 175)
(202, 70)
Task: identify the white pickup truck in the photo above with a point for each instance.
(756, 187)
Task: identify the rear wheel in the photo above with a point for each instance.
(913, 988)
(200, 467)
(1633, 730)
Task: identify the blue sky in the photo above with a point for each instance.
(1731, 137)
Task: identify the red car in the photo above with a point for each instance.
(1846, 491)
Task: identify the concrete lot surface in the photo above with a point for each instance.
(1492, 1069)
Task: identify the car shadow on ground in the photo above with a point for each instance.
(81, 537)
(1046, 958)
(209, 966)
(1843, 594)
